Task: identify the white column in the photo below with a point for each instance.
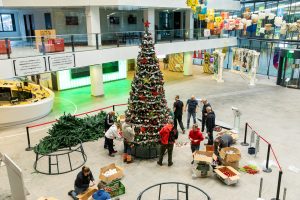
(149, 14)
(93, 24)
(253, 69)
(188, 63)
(189, 24)
(220, 67)
(96, 76)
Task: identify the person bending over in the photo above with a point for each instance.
(101, 194)
(128, 134)
(112, 133)
(83, 181)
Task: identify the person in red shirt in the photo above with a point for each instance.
(195, 137)
(168, 135)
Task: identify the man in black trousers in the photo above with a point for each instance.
(210, 125)
(178, 110)
(204, 113)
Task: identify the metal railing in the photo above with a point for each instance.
(17, 47)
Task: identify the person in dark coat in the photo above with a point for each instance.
(204, 113)
(191, 107)
(210, 125)
(82, 182)
(178, 109)
(166, 143)
(109, 121)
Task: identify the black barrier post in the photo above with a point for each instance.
(97, 41)
(72, 43)
(268, 170)
(7, 46)
(278, 186)
(113, 107)
(43, 45)
(29, 148)
(260, 187)
(245, 136)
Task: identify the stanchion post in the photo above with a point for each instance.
(278, 186)
(72, 43)
(267, 169)
(97, 41)
(260, 187)
(29, 148)
(245, 136)
(7, 46)
(113, 107)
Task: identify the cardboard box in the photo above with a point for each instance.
(202, 170)
(113, 177)
(209, 148)
(87, 194)
(234, 157)
(228, 180)
(203, 156)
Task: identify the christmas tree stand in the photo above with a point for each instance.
(146, 152)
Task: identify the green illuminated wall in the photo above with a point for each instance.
(65, 81)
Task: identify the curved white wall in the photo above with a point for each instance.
(18, 114)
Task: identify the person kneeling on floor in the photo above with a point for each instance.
(82, 182)
(112, 133)
(195, 137)
(101, 194)
(128, 134)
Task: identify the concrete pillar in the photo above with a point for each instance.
(189, 24)
(96, 76)
(220, 67)
(93, 24)
(149, 14)
(188, 63)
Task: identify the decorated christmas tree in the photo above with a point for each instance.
(147, 106)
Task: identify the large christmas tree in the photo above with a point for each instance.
(147, 106)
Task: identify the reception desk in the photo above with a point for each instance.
(21, 103)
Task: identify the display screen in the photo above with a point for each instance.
(80, 72)
(110, 67)
(72, 20)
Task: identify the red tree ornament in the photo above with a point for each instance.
(143, 129)
(147, 24)
(144, 61)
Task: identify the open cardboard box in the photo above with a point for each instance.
(118, 175)
(203, 156)
(236, 156)
(87, 194)
(233, 179)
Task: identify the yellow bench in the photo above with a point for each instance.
(86, 195)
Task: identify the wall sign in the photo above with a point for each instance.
(61, 62)
(29, 66)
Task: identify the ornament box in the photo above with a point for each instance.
(230, 154)
(87, 194)
(209, 148)
(113, 177)
(227, 174)
(115, 188)
(203, 156)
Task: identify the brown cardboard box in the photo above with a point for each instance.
(209, 148)
(86, 195)
(236, 156)
(113, 177)
(227, 180)
(203, 156)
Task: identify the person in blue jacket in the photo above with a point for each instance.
(101, 194)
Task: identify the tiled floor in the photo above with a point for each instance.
(272, 110)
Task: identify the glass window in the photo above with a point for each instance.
(7, 23)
